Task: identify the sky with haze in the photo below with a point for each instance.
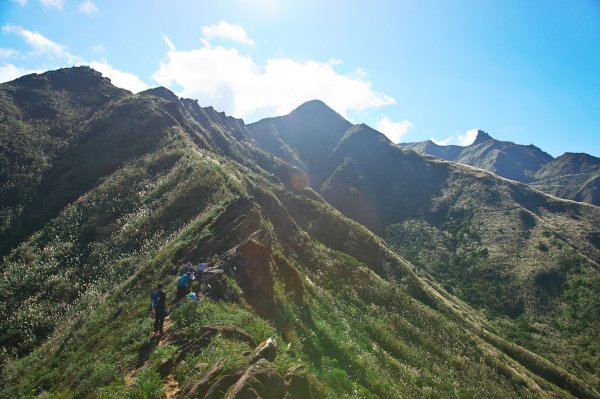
(523, 71)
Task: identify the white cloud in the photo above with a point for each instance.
(462, 139)
(445, 141)
(98, 48)
(169, 43)
(10, 72)
(41, 45)
(58, 56)
(393, 130)
(225, 30)
(8, 52)
(468, 137)
(120, 78)
(21, 2)
(233, 82)
(52, 4)
(88, 7)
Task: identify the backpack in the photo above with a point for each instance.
(183, 281)
(192, 296)
(154, 298)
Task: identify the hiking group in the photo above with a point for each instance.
(185, 287)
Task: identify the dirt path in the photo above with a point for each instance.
(171, 388)
(153, 343)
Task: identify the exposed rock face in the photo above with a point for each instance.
(260, 380)
(266, 350)
(251, 266)
(247, 257)
(482, 137)
(214, 283)
(257, 380)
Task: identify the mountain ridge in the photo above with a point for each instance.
(524, 163)
(363, 314)
(449, 220)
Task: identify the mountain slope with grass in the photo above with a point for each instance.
(528, 260)
(299, 300)
(570, 176)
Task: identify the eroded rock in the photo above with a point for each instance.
(222, 384)
(266, 350)
(260, 380)
(198, 388)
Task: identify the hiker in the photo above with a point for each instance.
(159, 305)
(183, 285)
(200, 270)
(190, 269)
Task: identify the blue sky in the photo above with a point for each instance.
(524, 71)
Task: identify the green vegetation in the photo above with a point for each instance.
(460, 321)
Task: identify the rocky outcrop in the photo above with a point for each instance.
(214, 283)
(260, 380)
(221, 385)
(243, 247)
(199, 387)
(266, 350)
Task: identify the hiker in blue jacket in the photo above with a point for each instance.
(158, 301)
(183, 285)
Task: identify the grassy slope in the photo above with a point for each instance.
(529, 260)
(359, 334)
(575, 176)
(496, 244)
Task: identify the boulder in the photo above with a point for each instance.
(221, 385)
(260, 380)
(198, 388)
(266, 350)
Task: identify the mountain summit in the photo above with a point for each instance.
(482, 137)
(305, 137)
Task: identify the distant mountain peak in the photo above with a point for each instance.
(71, 77)
(161, 92)
(315, 108)
(312, 104)
(482, 137)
